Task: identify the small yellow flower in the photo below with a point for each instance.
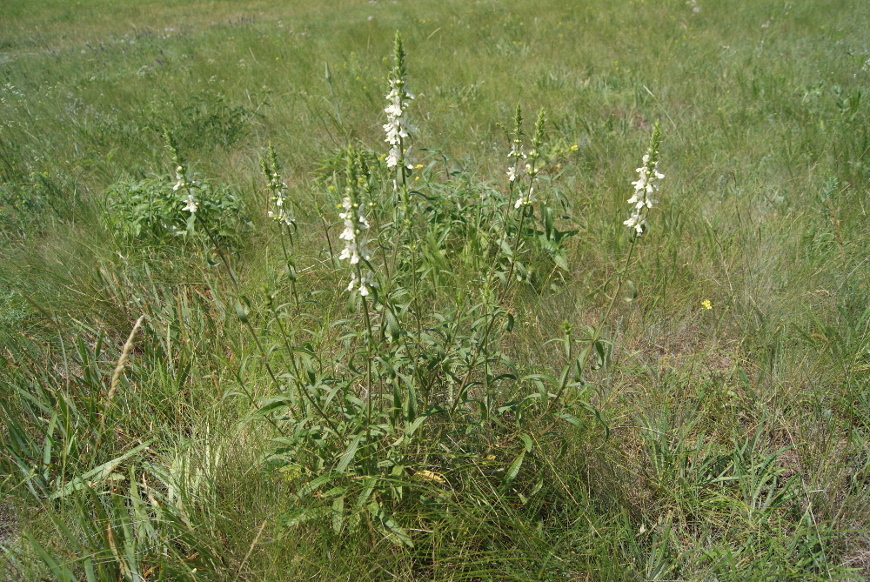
(574, 147)
(706, 304)
(418, 166)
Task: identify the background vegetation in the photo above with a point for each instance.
(657, 440)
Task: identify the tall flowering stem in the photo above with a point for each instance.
(355, 237)
(397, 128)
(355, 233)
(646, 185)
(516, 155)
(532, 167)
(188, 185)
(525, 191)
(185, 184)
(398, 132)
(521, 177)
(279, 211)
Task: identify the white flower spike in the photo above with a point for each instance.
(397, 128)
(281, 212)
(356, 226)
(645, 186)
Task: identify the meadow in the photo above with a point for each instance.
(454, 290)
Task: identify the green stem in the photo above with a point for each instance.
(619, 281)
(515, 247)
(369, 354)
(299, 385)
(564, 381)
(507, 284)
(287, 262)
(246, 321)
(597, 334)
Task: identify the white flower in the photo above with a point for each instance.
(517, 150)
(179, 175)
(279, 189)
(354, 237)
(645, 186)
(516, 154)
(184, 183)
(525, 199)
(397, 127)
(636, 221)
(364, 284)
(280, 210)
(356, 226)
(191, 205)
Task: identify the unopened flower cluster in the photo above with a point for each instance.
(645, 186)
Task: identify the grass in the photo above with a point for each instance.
(467, 421)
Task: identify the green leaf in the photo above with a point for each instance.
(338, 514)
(527, 440)
(306, 515)
(365, 493)
(270, 404)
(96, 475)
(49, 441)
(399, 534)
(514, 469)
(348, 454)
(243, 308)
(571, 419)
(314, 484)
(412, 428)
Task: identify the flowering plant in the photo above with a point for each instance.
(532, 167)
(280, 210)
(646, 185)
(397, 128)
(355, 233)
